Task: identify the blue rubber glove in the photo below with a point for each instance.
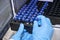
(18, 35)
(26, 36)
(21, 34)
(44, 31)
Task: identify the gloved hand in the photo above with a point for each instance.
(21, 34)
(17, 36)
(26, 36)
(44, 31)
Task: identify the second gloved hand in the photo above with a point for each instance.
(18, 35)
(44, 31)
(27, 36)
(21, 34)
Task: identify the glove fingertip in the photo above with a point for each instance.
(24, 30)
(39, 16)
(35, 21)
(48, 20)
(35, 24)
(22, 25)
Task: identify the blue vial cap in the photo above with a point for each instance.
(27, 20)
(18, 13)
(42, 12)
(19, 18)
(34, 8)
(36, 18)
(32, 1)
(15, 18)
(47, 4)
(32, 12)
(37, 9)
(36, 12)
(20, 10)
(31, 20)
(28, 17)
(24, 5)
(39, 13)
(32, 17)
(24, 16)
(24, 11)
(23, 19)
(29, 5)
(27, 11)
(42, 9)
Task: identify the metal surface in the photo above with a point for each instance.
(5, 16)
(5, 12)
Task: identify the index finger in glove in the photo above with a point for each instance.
(21, 28)
(42, 19)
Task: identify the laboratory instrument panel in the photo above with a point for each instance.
(31, 9)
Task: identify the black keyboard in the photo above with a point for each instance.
(55, 9)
